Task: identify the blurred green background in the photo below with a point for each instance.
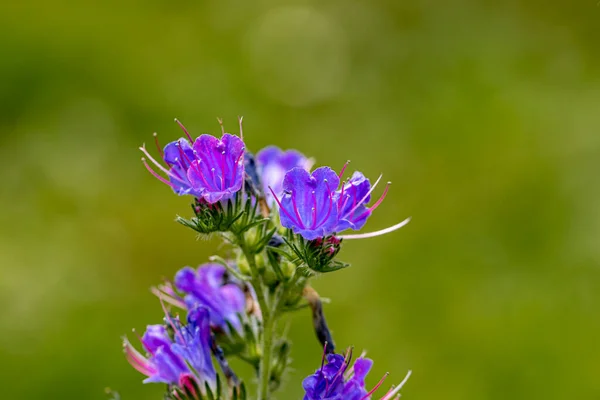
(484, 115)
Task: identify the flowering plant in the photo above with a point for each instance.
(282, 223)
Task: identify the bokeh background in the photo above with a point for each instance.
(484, 115)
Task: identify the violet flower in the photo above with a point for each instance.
(334, 381)
(211, 287)
(308, 202)
(273, 163)
(313, 207)
(210, 168)
(175, 360)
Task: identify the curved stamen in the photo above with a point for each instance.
(314, 210)
(330, 203)
(341, 199)
(366, 195)
(394, 390)
(163, 169)
(343, 169)
(376, 387)
(185, 130)
(157, 176)
(240, 119)
(280, 206)
(296, 211)
(376, 233)
(377, 203)
(222, 126)
(235, 166)
(160, 150)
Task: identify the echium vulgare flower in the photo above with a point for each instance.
(207, 168)
(334, 381)
(178, 356)
(212, 287)
(273, 164)
(313, 206)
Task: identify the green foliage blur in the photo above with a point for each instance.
(485, 115)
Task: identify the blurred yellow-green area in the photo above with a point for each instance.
(485, 115)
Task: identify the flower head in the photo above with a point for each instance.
(175, 359)
(207, 168)
(335, 381)
(308, 202)
(273, 164)
(313, 206)
(211, 287)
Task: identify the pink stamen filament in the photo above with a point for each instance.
(330, 203)
(170, 321)
(365, 196)
(137, 360)
(223, 170)
(314, 224)
(185, 130)
(159, 166)
(235, 166)
(377, 203)
(199, 171)
(157, 176)
(341, 200)
(394, 390)
(160, 150)
(343, 169)
(296, 211)
(376, 386)
(280, 206)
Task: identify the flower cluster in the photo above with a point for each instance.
(281, 220)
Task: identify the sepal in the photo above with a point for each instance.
(312, 256)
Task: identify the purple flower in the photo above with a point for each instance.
(313, 206)
(308, 202)
(174, 360)
(273, 163)
(210, 286)
(334, 381)
(210, 168)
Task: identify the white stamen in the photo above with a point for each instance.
(376, 233)
(395, 391)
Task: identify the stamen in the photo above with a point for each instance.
(324, 354)
(330, 202)
(163, 169)
(376, 233)
(343, 169)
(280, 206)
(314, 224)
(376, 387)
(222, 126)
(374, 206)
(377, 203)
(394, 390)
(296, 211)
(185, 130)
(341, 196)
(240, 119)
(157, 176)
(160, 291)
(237, 162)
(136, 359)
(366, 195)
(170, 321)
(160, 150)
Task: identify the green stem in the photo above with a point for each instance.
(268, 316)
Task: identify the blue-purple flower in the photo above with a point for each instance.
(313, 206)
(175, 359)
(335, 381)
(273, 163)
(207, 168)
(308, 202)
(211, 287)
